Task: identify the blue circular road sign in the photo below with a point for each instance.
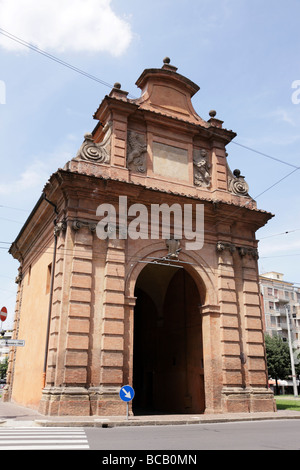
(126, 393)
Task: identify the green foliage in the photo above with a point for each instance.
(3, 368)
(286, 404)
(278, 357)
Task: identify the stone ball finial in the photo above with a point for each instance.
(88, 136)
(212, 113)
(166, 60)
(117, 85)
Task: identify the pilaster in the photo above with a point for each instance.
(261, 398)
(66, 392)
(244, 363)
(212, 357)
(113, 330)
(79, 314)
(219, 166)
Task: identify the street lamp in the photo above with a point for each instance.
(291, 351)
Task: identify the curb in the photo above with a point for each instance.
(13, 416)
(111, 424)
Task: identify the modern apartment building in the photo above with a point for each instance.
(280, 298)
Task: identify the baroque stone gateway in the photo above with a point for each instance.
(182, 326)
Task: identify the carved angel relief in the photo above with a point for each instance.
(136, 152)
(202, 176)
(93, 152)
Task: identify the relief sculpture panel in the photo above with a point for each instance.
(136, 152)
(202, 173)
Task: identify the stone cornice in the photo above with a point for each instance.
(242, 250)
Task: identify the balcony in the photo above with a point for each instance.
(281, 300)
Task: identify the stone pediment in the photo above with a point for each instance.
(159, 141)
(168, 92)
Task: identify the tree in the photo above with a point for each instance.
(3, 368)
(278, 359)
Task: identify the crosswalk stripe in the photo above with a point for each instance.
(45, 447)
(43, 438)
(2, 436)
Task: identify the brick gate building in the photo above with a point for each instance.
(179, 320)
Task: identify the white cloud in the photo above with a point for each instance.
(30, 178)
(65, 25)
(37, 173)
(281, 115)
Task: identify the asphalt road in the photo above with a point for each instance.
(254, 435)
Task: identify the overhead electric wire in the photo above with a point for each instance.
(54, 58)
(248, 202)
(102, 82)
(11, 220)
(278, 234)
(100, 255)
(280, 256)
(265, 155)
(277, 182)
(82, 72)
(241, 207)
(14, 208)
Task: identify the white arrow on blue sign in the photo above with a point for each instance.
(126, 393)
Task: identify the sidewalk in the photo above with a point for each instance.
(13, 415)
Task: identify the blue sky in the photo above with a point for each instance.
(243, 54)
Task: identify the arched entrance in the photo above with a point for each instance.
(168, 374)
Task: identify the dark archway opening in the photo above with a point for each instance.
(168, 374)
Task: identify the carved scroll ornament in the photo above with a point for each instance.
(95, 152)
(237, 184)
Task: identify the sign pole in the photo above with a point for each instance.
(126, 394)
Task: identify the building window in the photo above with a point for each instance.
(270, 291)
(271, 305)
(48, 278)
